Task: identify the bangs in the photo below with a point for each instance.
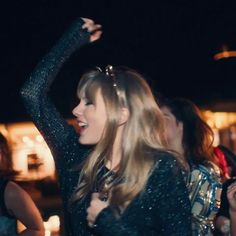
(89, 85)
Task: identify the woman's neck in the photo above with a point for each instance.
(176, 145)
(114, 161)
(180, 150)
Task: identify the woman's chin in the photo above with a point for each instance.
(84, 141)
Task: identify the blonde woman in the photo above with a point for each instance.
(125, 182)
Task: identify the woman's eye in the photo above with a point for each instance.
(87, 102)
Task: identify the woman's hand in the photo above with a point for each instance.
(92, 28)
(231, 195)
(96, 206)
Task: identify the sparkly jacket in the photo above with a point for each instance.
(204, 184)
(163, 208)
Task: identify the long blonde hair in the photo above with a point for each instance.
(142, 137)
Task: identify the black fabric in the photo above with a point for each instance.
(224, 206)
(3, 184)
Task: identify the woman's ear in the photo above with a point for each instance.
(124, 116)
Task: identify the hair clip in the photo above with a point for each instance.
(109, 70)
(110, 73)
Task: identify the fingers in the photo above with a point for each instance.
(96, 206)
(92, 28)
(90, 218)
(87, 23)
(90, 224)
(95, 196)
(95, 36)
(91, 210)
(90, 25)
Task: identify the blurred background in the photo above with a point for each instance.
(185, 48)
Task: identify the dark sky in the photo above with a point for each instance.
(172, 42)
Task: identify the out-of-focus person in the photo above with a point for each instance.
(15, 203)
(192, 139)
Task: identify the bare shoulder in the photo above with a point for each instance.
(14, 195)
(14, 191)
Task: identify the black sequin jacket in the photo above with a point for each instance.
(162, 209)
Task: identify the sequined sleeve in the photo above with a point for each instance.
(162, 209)
(60, 137)
(205, 187)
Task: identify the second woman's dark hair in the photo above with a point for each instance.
(197, 135)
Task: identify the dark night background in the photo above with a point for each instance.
(172, 42)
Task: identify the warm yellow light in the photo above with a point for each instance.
(39, 138)
(219, 120)
(47, 233)
(25, 139)
(53, 224)
(3, 130)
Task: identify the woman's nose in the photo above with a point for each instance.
(77, 110)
